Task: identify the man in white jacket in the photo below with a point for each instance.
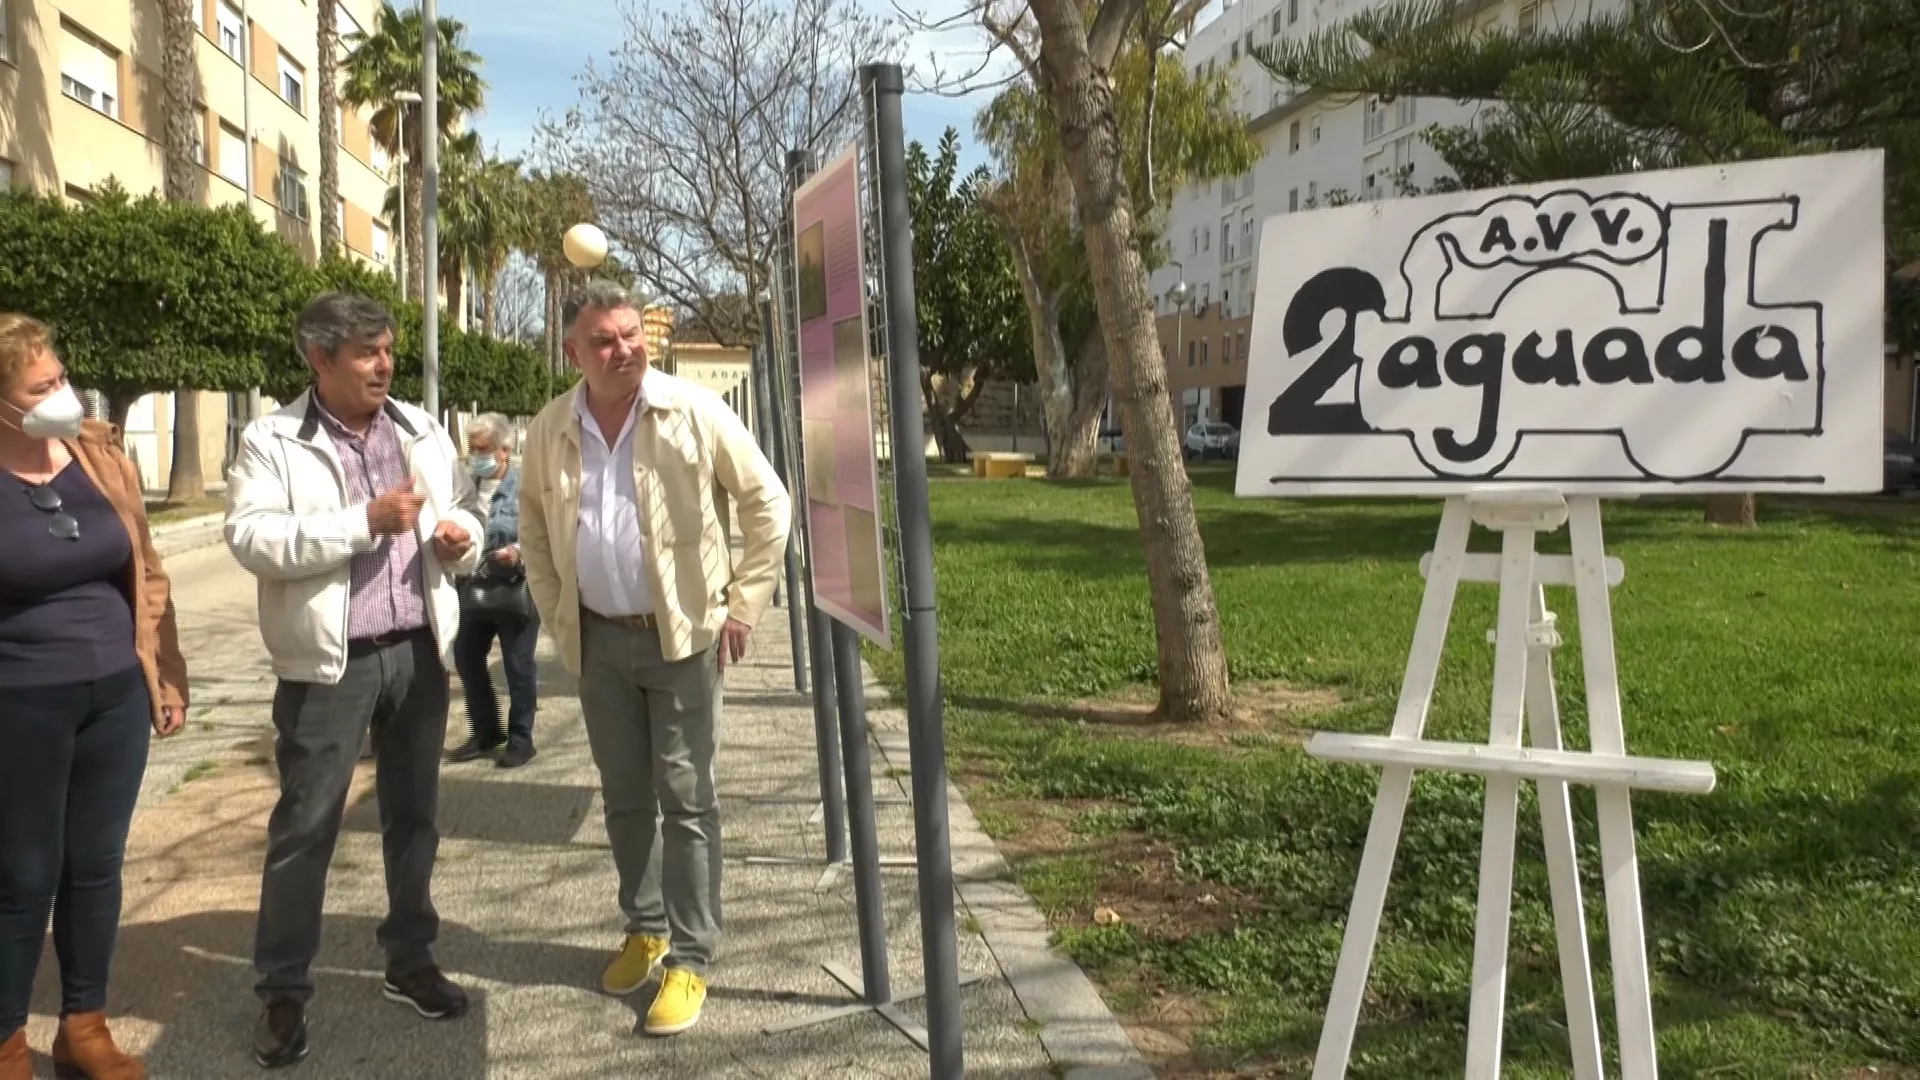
(353, 512)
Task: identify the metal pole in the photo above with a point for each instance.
(866, 838)
(926, 738)
(400, 137)
(826, 732)
(430, 231)
(777, 443)
(759, 389)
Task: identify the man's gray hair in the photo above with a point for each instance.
(494, 428)
(599, 295)
(335, 319)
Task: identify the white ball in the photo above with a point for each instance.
(585, 245)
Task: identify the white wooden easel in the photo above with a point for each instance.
(1524, 639)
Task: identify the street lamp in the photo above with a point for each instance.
(1179, 294)
(404, 99)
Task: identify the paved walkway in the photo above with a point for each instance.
(525, 890)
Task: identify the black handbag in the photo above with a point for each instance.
(497, 591)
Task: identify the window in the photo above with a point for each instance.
(1403, 111)
(1276, 24)
(1293, 199)
(1376, 118)
(291, 190)
(1193, 243)
(1206, 240)
(1206, 296)
(1191, 353)
(233, 155)
(200, 137)
(1529, 19)
(1226, 239)
(1249, 43)
(6, 42)
(1243, 337)
(1313, 191)
(89, 71)
(1204, 345)
(1293, 11)
(1233, 52)
(232, 31)
(1246, 289)
(1293, 137)
(1313, 136)
(6, 175)
(293, 83)
(381, 242)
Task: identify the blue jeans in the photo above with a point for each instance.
(471, 650)
(75, 753)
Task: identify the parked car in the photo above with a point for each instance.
(1901, 473)
(1212, 439)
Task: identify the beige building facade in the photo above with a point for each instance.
(81, 100)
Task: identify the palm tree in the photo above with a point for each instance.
(329, 52)
(181, 182)
(387, 61)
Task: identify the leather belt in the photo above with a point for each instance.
(386, 640)
(631, 622)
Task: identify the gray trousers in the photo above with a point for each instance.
(654, 727)
(400, 691)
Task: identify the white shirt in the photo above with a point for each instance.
(609, 552)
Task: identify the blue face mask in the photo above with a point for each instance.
(483, 467)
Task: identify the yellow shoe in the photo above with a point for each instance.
(677, 1007)
(634, 966)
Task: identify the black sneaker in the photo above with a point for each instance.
(469, 751)
(515, 755)
(280, 1038)
(429, 992)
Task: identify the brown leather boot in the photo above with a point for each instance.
(14, 1062)
(84, 1048)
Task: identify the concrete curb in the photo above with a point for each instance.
(1077, 1030)
(188, 534)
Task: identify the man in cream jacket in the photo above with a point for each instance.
(625, 483)
(355, 514)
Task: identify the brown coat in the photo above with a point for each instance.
(155, 636)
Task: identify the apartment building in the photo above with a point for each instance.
(81, 100)
(1318, 150)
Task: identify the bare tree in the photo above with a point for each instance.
(682, 137)
(519, 301)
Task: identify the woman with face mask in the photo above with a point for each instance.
(495, 603)
(89, 661)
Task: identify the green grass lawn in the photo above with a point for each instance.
(1783, 910)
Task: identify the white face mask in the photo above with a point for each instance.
(57, 417)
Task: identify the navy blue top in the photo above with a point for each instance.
(65, 616)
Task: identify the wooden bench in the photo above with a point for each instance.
(995, 465)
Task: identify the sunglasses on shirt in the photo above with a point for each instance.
(63, 524)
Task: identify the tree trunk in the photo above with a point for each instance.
(1070, 449)
(187, 482)
(180, 180)
(1737, 511)
(119, 404)
(416, 195)
(490, 315)
(948, 400)
(329, 99)
(1192, 651)
(456, 295)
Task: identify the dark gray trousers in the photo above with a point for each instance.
(400, 690)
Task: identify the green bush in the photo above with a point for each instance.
(148, 296)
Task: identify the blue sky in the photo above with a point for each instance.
(533, 48)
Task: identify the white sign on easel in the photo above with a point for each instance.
(1523, 353)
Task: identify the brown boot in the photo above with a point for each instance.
(14, 1062)
(84, 1048)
